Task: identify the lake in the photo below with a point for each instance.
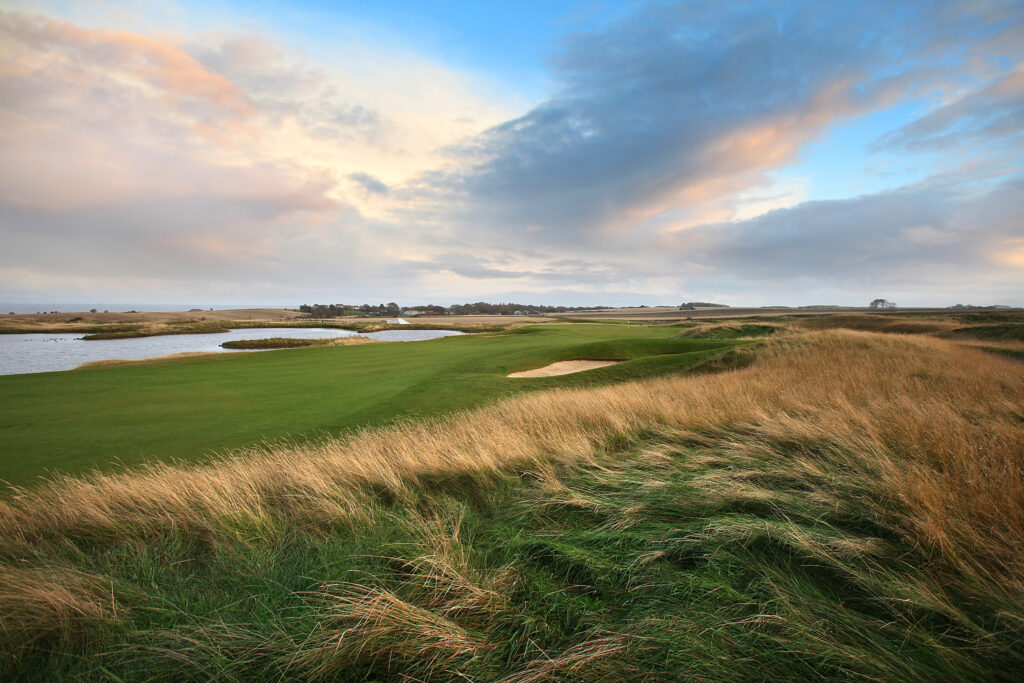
(24, 353)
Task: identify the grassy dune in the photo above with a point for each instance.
(850, 505)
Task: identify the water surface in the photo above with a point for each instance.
(46, 352)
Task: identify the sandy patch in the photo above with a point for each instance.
(565, 367)
(172, 356)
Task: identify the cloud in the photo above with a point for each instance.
(681, 106)
(931, 236)
(193, 163)
(994, 113)
(369, 183)
(95, 118)
(231, 163)
(287, 89)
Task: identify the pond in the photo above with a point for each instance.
(24, 353)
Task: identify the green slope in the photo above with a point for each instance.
(183, 409)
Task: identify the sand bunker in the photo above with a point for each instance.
(565, 367)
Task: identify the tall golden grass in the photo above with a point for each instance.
(54, 604)
(932, 430)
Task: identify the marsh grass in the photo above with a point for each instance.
(293, 343)
(849, 505)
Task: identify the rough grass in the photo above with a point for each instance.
(1007, 326)
(999, 332)
(892, 324)
(730, 331)
(849, 506)
(1011, 351)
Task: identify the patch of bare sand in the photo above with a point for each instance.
(152, 359)
(565, 367)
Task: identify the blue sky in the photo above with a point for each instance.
(579, 153)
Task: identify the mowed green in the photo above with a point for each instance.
(193, 408)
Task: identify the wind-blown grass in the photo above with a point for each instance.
(850, 505)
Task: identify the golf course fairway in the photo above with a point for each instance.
(191, 408)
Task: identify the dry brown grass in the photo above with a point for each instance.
(444, 575)
(443, 595)
(44, 322)
(596, 658)
(367, 624)
(936, 430)
(51, 604)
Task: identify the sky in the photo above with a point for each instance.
(559, 152)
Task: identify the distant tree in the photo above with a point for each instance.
(882, 304)
(694, 305)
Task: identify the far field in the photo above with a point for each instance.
(187, 408)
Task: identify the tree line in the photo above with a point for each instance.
(393, 309)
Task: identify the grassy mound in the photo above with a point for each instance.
(892, 324)
(848, 506)
(732, 331)
(998, 332)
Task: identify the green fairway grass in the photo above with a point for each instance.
(72, 422)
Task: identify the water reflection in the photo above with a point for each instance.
(23, 353)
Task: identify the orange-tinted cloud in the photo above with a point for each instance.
(97, 118)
